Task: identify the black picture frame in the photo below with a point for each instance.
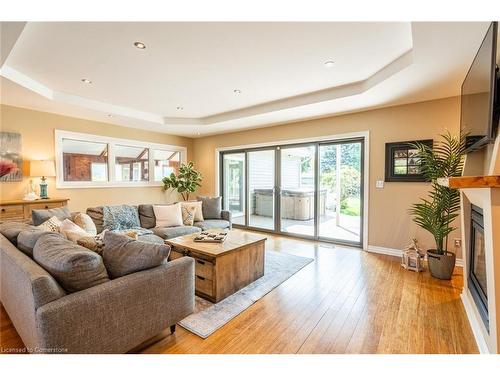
(402, 162)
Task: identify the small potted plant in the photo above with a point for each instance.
(186, 182)
(437, 212)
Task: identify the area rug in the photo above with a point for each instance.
(209, 317)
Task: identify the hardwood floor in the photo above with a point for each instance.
(347, 301)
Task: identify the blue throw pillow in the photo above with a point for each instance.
(120, 217)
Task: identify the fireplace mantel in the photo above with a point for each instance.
(470, 182)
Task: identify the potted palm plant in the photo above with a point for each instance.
(437, 212)
(186, 182)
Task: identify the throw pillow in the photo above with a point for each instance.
(188, 213)
(211, 207)
(122, 255)
(97, 216)
(168, 216)
(74, 267)
(146, 216)
(120, 217)
(85, 222)
(94, 243)
(72, 231)
(198, 214)
(40, 216)
(51, 225)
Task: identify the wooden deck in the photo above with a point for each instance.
(347, 301)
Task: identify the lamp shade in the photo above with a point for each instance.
(42, 168)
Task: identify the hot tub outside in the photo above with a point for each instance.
(296, 204)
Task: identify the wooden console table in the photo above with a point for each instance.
(20, 210)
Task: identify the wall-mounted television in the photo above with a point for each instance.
(480, 109)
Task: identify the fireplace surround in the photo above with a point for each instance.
(480, 220)
(477, 272)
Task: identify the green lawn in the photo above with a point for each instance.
(350, 206)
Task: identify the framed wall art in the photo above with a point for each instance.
(11, 160)
(402, 162)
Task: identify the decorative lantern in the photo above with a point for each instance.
(413, 257)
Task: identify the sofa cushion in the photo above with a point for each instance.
(40, 216)
(96, 214)
(27, 239)
(168, 216)
(11, 229)
(212, 224)
(172, 232)
(211, 207)
(85, 222)
(123, 255)
(151, 238)
(73, 266)
(146, 216)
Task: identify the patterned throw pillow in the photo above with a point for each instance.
(188, 213)
(94, 243)
(51, 225)
(198, 213)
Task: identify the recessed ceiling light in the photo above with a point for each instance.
(110, 115)
(140, 45)
(198, 133)
(236, 91)
(180, 108)
(87, 81)
(329, 64)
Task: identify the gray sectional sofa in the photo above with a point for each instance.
(148, 221)
(112, 317)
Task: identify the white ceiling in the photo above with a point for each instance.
(279, 68)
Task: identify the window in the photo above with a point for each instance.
(84, 160)
(81, 159)
(165, 162)
(99, 172)
(131, 163)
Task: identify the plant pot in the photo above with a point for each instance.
(441, 266)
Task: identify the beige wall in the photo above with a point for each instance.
(389, 223)
(37, 130)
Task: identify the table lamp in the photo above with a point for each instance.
(43, 169)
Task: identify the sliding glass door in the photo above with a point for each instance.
(297, 190)
(233, 186)
(340, 185)
(261, 189)
(312, 190)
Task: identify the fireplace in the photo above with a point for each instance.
(477, 262)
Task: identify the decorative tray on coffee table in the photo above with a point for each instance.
(216, 237)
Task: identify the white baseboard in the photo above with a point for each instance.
(474, 324)
(397, 253)
(384, 250)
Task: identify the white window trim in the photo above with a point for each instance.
(111, 141)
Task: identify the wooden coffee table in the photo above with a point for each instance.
(222, 269)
